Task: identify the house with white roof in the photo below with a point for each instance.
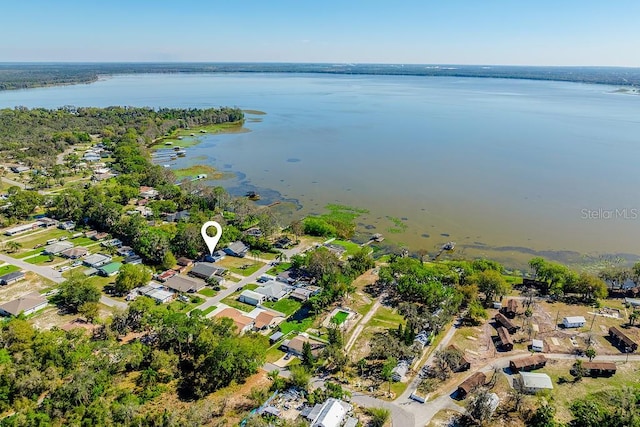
(574, 322)
(533, 382)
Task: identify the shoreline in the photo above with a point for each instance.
(101, 71)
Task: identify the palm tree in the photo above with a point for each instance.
(255, 253)
(281, 257)
(12, 246)
(632, 317)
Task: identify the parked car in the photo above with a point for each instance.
(64, 268)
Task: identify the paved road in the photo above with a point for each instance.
(400, 416)
(46, 272)
(12, 182)
(445, 342)
(110, 302)
(233, 287)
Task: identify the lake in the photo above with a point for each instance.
(505, 168)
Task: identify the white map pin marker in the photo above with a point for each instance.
(211, 241)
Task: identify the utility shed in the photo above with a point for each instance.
(573, 322)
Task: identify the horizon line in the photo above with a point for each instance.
(38, 62)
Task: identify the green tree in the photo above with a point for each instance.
(300, 377)
(76, 291)
(491, 283)
(89, 310)
(590, 353)
(379, 416)
(543, 416)
(12, 246)
(476, 312)
(633, 317)
(131, 276)
(23, 203)
(387, 370)
(308, 359)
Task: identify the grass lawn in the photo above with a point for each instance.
(386, 318)
(102, 281)
(195, 170)
(351, 247)
(301, 326)
(283, 266)
(564, 394)
(182, 307)
(287, 306)
(248, 269)
(242, 266)
(251, 287)
(40, 238)
(340, 317)
(208, 310)
(397, 388)
(232, 301)
(6, 269)
(274, 353)
(28, 253)
(268, 255)
(41, 259)
(83, 241)
(207, 292)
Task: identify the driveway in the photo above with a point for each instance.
(46, 272)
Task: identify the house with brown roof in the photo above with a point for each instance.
(600, 369)
(506, 323)
(243, 323)
(474, 381)
(528, 363)
(623, 341)
(266, 319)
(511, 309)
(74, 253)
(181, 283)
(294, 345)
(184, 261)
(463, 363)
(505, 339)
(26, 305)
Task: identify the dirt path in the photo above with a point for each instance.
(363, 322)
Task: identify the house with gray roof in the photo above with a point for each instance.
(27, 304)
(250, 297)
(9, 278)
(97, 260)
(180, 283)
(274, 291)
(57, 248)
(237, 249)
(205, 270)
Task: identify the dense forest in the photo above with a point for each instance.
(21, 76)
(36, 135)
(72, 378)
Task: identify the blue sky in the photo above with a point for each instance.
(541, 32)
